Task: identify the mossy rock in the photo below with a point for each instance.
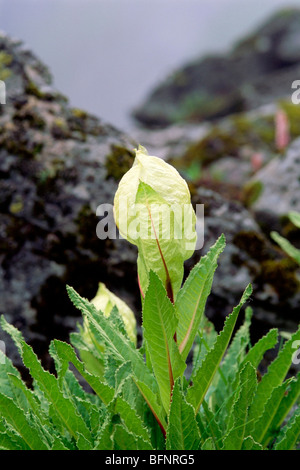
(293, 114)
(252, 243)
(5, 61)
(197, 106)
(251, 192)
(215, 145)
(281, 275)
(229, 138)
(60, 129)
(17, 141)
(118, 162)
(32, 118)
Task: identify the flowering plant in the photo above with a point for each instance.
(141, 396)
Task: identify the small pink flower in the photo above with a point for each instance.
(282, 131)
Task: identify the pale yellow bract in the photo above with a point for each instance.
(153, 210)
(158, 174)
(105, 300)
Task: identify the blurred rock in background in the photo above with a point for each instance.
(228, 125)
(257, 71)
(57, 164)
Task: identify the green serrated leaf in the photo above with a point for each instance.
(247, 387)
(123, 350)
(250, 444)
(275, 375)
(237, 349)
(263, 423)
(210, 364)
(256, 352)
(204, 341)
(31, 398)
(182, 432)
(65, 411)
(66, 354)
(89, 354)
(289, 436)
(159, 323)
(191, 300)
(208, 444)
(82, 443)
(125, 440)
(226, 382)
(105, 440)
(131, 420)
(289, 399)
(9, 442)
(212, 427)
(17, 418)
(115, 341)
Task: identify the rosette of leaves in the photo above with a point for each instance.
(144, 399)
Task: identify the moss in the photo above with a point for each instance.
(16, 206)
(293, 113)
(251, 192)
(198, 106)
(118, 162)
(81, 124)
(239, 131)
(215, 145)
(60, 129)
(255, 131)
(292, 233)
(34, 120)
(265, 129)
(45, 175)
(18, 143)
(32, 89)
(5, 59)
(281, 275)
(79, 113)
(252, 243)
(48, 179)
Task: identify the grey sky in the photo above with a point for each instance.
(106, 55)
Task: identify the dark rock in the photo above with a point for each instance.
(54, 174)
(57, 164)
(280, 180)
(249, 257)
(257, 71)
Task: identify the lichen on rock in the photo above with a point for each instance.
(53, 177)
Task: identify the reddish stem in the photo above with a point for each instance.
(140, 287)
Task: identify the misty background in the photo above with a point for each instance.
(106, 55)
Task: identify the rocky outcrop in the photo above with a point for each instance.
(57, 164)
(257, 71)
(249, 257)
(280, 182)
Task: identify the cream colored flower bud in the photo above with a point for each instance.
(105, 300)
(152, 209)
